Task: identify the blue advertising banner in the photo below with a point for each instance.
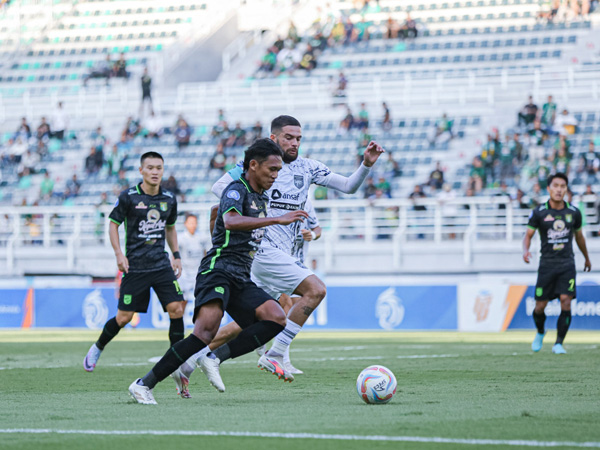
(12, 307)
(585, 310)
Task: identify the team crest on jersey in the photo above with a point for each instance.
(141, 205)
(569, 218)
(298, 181)
(164, 206)
(548, 218)
(153, 216)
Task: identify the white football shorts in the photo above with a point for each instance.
(276, 272)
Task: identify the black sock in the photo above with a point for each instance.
(176, 330)
(249, 339)
(110, 330)
(539, 320)
(562, 326)
(175, 356)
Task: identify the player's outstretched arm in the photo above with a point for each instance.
(221, 184)
(113, 234)
(234, 221)
(171, 235)
(527, 244)
(580, 239)
(349, 185)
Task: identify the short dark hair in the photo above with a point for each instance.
(150, 155)
(560, 175)
(283, 121)
(260, 151)
(188, 215)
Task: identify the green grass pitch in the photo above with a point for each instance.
(455, 391)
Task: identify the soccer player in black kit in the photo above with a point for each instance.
(148, 213)
(223, 282)
(557, 222)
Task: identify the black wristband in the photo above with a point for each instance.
(176, 255)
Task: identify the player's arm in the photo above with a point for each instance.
(113, 234)
(349, 185)
(234, 221)
(313, 234)
(213, 218)
(580, 239)
(225, 180)
(527, 244)
(171, 235)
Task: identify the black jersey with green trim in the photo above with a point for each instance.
(145, 218)
(233, 251)
(556, 228)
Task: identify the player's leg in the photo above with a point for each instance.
(286, 303)
(134, 296)
(563, 323)
(544, 289)
(207, 319)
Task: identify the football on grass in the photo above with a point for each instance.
(376, 385)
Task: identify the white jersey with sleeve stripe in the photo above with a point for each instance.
(289, 193)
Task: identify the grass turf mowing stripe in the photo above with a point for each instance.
(335, 437)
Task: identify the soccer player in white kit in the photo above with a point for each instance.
(192, 247)
(274, 269)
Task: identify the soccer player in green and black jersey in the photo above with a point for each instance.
(148, 214)
(223, 282)
(557, 222)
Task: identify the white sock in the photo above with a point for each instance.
(286, 355)
(284, 339)
(190, 365)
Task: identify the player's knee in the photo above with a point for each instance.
(279, 317)
(205, 335)
(318, 292)
(176, 310)
(123, 318)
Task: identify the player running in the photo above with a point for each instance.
(274, 268)
(223, 282)
(149, 214)
(557, 222)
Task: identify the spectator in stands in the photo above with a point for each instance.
(115, 161)
(24, 131)
(363, 141)
(508, 160)
(386, 121)
(392, 28)
(230, 163)
(384, 186)
(94, 161)
(521, 201)
(182, 132)
(237, 137)
(120, 67)
(537, 195)
(442, 129)
(43, 130)
(256, 132)
(342, 85)
(415, 195)
(391, 167)
(516, 148)
(489, 156)
(527, 114)
(549, 112)
(101, 69)
(538, 133)
(591, 163)
(146, 92)
(477, 176)
(347, 122)
(132, 128)
(29, 163)
(16, 150)
(436, 178)
(122, 181)
(566, 124)
(561, 161)
(409, 29)
(73, 185)
(217, 162)
(98, 138)
(370, 188)
(60, 122)
(171, 185)
(268, 61)
(309, 61)
(46, 187)
(363, 117)
(153, 126)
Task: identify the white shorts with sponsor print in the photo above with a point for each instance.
(276, 272)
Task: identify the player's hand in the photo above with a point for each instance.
(588, 266)
(122, 263)
(294, 216)
(307, 235)
(527, 257)
(372, 153)
(177, 268)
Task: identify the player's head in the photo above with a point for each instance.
(558, 185)
(262, 163)
(152, 168)
(191, 223)
(287, 132)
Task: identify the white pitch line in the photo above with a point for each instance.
(333, 437)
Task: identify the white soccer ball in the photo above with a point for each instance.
(376, 385)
